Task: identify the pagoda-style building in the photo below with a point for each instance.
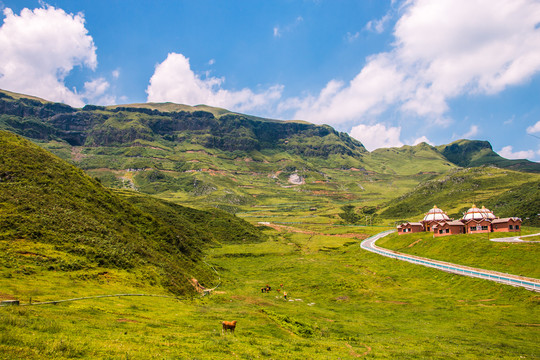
(433, 217)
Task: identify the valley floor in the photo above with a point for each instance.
(342, 303)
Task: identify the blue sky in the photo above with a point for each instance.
(387, 72)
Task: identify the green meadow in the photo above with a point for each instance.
(475, 250)
(343, 303)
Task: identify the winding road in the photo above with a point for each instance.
(508, 279)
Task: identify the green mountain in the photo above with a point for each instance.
(204, 156)
(44, 200)
(505, 192)
(120, 125)
(471, 153)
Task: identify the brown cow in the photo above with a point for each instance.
(228, 325)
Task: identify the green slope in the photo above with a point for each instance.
(458, 190)
(409, 160)
(45, 200)
(470, 153)
(522, 201)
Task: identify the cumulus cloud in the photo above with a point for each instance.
(377, 136)
(508, 152)
(442, 49)
(95, 92)
(534, 129)
(378, 85)
(422, 139)
(173, 80)
(39, 48)
(473, 131)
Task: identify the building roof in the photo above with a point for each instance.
(435, 214)
(474, 213)
(488, 213)
(505, 220)
(409, 223)
(451, 223)
(476, 220)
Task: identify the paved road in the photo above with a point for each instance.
(515, 239)
(514, 280)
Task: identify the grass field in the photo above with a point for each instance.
(343, 303)
(472, 250)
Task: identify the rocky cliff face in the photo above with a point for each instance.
(99, 126)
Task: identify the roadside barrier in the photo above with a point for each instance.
(527, 283)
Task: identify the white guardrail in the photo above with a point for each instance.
(529, 283)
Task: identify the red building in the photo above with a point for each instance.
(448, 228)
(474, 221)
(506, 224)
(409, 227)
(478, 226)
(433, 217)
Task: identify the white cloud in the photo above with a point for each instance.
(211, 62)
(95, 92)
(378, 85)
(473, 131)
(352, 37)
(442, 49)
(115, 74)
(377, 136)
(173, 80)
(534, 129)
(378, 25)
(422, 139)
(280, 30)
(39, 49)
(510, 120)
(507, 152)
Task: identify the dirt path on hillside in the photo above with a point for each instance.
(291, 229)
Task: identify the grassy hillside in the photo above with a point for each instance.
(44, 200)
(522, 201)
(458, 190)
(410, 160)
(470, 153)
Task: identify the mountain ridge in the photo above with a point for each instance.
(70, 124)
(233, 162)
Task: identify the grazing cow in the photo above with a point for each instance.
(228, 325)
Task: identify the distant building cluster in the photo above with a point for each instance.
(474, 221)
